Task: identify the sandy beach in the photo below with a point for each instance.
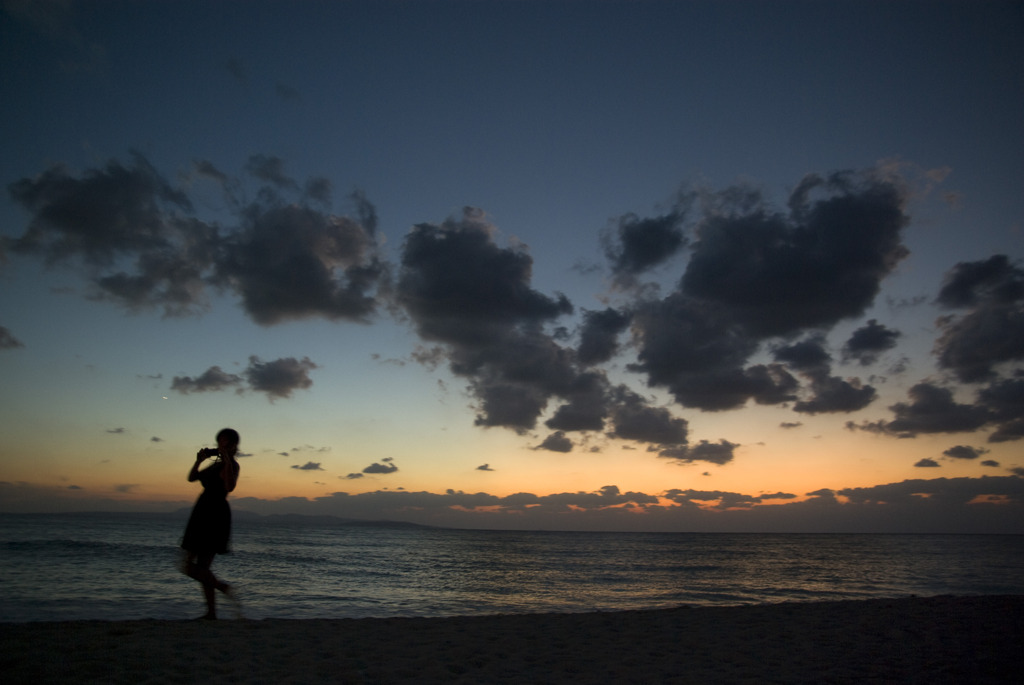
(915, 640)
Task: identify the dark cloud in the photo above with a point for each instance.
(108, 218)
(991, 330)
(556, 442)
(869, 341)
(790, 424)
(635, 419)
(1004, 399)
(694, 350)
(940, 491)
(131, 231)
(810, 355)
(587, 404)
(599, 335)
(308, 466)
(927, 463)
(381, 468)
(716, 453)
(484, 467)
(965, 452)
(462, 290)
(990, 462)
(932, 409)
(352, 476)
(291, 262)
(213, 379)
(117, 431)
(8, 341)
(756, 273)
(833, 395)
(818, 263)
(830, 394)
(279, 378)
(636, 244)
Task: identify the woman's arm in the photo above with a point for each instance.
(193, 475)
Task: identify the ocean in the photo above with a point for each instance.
(125, 566)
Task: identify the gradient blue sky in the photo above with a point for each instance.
(619, 265)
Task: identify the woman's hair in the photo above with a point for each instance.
(229, 434)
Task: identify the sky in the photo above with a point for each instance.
(680, 266)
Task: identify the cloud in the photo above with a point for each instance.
(965, 452)
(634, 419)
(720, 453)
(484, 467)
(756, 273)
(213, 379)
(932, 409)
(1004, 400)
(309, 466)
(868, 341)
(117, 431)
(924, 506)
(599, 335)
(556, 442)
(991, 329)
(279, 378)
(820, 262)
(8, 341)
(385, 468)
(132, 233)
(927, 463)
(352, 476)
(833, 394)
(291, 262)
(636, 245)
(473, 297)
(115, 215)
(810, 355)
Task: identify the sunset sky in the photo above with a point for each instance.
(582, 265)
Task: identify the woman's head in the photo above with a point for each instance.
(227, 441)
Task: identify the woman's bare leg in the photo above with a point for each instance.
(198, 567)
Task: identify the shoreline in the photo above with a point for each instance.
(944, 639)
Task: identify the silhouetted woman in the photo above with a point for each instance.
(209, 527)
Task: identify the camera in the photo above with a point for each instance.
(210, 452)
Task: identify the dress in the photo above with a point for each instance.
(209, 526)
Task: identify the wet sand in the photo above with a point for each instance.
(913, 640)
